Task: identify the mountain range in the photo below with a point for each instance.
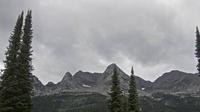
(174, 82)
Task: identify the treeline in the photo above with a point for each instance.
(70, 103)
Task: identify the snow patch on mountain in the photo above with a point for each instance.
(87, 86)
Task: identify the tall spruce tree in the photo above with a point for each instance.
(25, 65)
(133, 103)
(10, 92)
(115, 103)
(197, 53)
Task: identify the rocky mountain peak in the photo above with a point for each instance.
(176, 72)
(173, 76)
(67, 76)
(174, 81)
(110, 70)
(37, 86)
(36, 81)
(177, 81)
(111, 67)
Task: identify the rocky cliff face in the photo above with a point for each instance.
(171, 82)
(38, 87)
(88, 82)
(177, 82)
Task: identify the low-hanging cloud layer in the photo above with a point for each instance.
(154, 36)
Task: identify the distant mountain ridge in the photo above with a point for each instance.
(174, 91)
(171, 82)
(87, 82)
(177, 82)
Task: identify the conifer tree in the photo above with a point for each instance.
(124, 103)
(10, 92)
(197, 53)
(115, 103)
(25, 65)
(133, 103)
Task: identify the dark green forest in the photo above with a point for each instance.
(94, 102)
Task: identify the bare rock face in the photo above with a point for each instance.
(106, 80)
(174, 82)
(66, 82)
(67, 77)
(86, 78)
(38, 87)
(177, 82)
(90, 82)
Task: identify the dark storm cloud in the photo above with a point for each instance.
(154, 36)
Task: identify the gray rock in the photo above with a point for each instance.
(177, 82)
(38, 87)
(174, 82)
(90, 82)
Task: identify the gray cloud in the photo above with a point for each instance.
(154, 36)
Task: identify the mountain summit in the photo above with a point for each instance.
(171, 82)
(111, 68)
(177, 81)
(67, 77)
(88, 82)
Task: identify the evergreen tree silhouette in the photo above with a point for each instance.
(133, 103)
(10, 91)
(115, 103)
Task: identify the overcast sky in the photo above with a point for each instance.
(155, 36)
